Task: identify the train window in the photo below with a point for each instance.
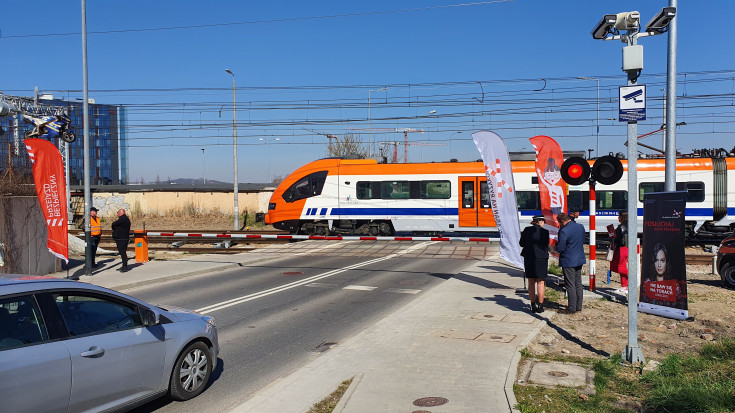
(436, 189)
(306, 187)
(415, 189)
(528, 200)
(612, 200)
(695, 190)
(484, 195)
(468, 194)
(580, 199)
(395, 189)
(364, 190)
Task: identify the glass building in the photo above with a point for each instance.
(104, 141)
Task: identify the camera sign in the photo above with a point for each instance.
(632, 103)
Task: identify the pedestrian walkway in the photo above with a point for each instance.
(457, 342)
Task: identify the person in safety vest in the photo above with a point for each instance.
(96, 230)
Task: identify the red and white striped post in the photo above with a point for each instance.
(593, 237)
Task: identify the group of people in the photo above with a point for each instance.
(570, 246)
(120, 234)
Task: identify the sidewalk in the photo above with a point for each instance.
(459, 341)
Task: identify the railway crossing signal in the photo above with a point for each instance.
(575, 171)
(606, 170)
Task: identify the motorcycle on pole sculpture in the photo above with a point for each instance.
(49, 127)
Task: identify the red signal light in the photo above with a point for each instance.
(575, 171)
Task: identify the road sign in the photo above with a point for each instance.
(632, 103)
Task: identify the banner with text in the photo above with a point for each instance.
(663, 269)
(502, 193)
(552, 189)
(48, 175)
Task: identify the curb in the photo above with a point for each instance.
(348, 394)
(513, 366)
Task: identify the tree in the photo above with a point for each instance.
(347, 146)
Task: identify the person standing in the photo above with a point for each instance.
(574, 213)
(570, 246)
(121, 235)
(619, 262)
(96, 232)
(535, 253)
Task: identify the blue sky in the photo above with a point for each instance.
(508, 66)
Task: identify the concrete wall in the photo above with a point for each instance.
(23, 237)
(150, 203)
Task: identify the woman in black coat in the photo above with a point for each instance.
(535, 252)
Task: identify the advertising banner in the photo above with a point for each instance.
(502, 194)
(663, 269)
(552, 189)
(48, 175)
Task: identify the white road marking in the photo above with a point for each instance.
(402, 291)
(264, 293)
(320, 285)
(359, 287)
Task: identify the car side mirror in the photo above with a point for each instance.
(150, 317)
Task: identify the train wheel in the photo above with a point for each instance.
(727, 273)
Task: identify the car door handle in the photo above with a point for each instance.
(93, 352)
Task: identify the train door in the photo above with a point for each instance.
(474, 202)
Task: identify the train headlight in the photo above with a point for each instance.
(271, 206)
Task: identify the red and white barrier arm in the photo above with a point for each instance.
(316, 237)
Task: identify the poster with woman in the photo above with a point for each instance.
(663, 288)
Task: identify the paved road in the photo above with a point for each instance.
(275, 316)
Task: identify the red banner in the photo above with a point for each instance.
(552, 189)
(48, 174)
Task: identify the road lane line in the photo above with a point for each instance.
(359, 287)
(260, 294)
(402, 291)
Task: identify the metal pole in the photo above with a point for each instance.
(204, 164)
(632, 352)
(670, 147)
(85, 121)
(598, 118)
(234, 152)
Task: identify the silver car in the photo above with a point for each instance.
(67, 346)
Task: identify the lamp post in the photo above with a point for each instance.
(204, 162)
(609, 29)
(267, 142)
(370, 122)
(597, 152)
(234, 151)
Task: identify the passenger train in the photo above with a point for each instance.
(363, 197)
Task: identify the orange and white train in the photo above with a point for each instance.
(348, 196)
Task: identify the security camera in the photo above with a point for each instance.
(628, 20)
(604, 27)
(661, 21)
(7, 109)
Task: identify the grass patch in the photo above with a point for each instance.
(330, 402)
(702, 382)
(554, 268)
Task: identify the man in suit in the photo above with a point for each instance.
(535, 251)
(570, 246)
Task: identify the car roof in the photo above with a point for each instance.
(16, 279)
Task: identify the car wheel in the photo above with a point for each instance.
(727, 273)
(191, 372)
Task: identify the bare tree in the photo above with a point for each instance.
(349, 145)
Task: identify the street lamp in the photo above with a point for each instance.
(234, 151)
(597, 152)
(204, 176)
(267, 142)
(370, 122)
(609, 29)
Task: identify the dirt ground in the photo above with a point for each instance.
(601, 329)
